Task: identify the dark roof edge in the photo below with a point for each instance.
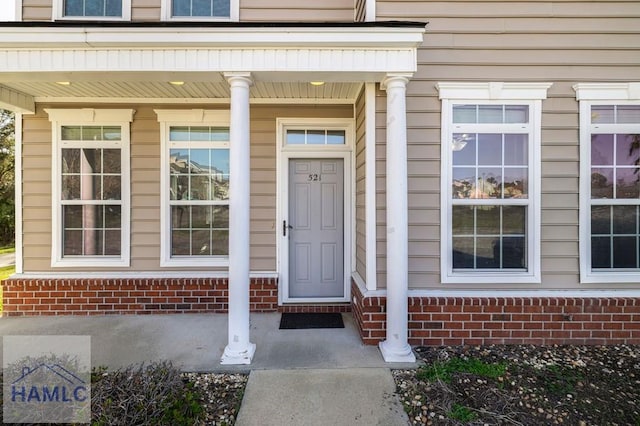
(174, 24)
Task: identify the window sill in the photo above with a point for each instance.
(610, 277)
(207, 262)
(491, 278)
(91, 262)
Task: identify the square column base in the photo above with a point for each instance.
(238, 358)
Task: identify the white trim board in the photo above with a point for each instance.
(18, 188)
(285, 153)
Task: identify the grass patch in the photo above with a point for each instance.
(445, 370)
(462, 414)
(8, 249)
(7, 271)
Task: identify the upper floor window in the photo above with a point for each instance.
(92, 9)
(490, 177)
(226, 10)
(90, 215)
(610, 185)
(195, 188)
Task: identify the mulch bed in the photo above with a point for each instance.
(570, 385)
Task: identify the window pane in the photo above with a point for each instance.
(490, 114)
(514, 220)
(180, 217)
(601, 183)
(627, 184)
(72, 217)
(600, 220)
(315, 137)
(71, 187)
(180, 243)
(71, 133)
(220, 161)
(221, 217)
(464, 114)
(91, 161)
(628, 114)
(221, 8)
(602, 150)
(463, 185)
(463, 220)
(112, 217)
(91, 133)
(220, 187)
(199, 161)
(516, 150)
(600, 252)
(463, 253)
(70, 161)
(114, 8)
(201, 217)
(72, 243)
(490, 149)
(513, 253)
(179, 161)
(488, 220)
(179, 187)
(111, 189)
(94, 7)
(201, 8)
(625, 219)
(220, 243)
(489, 183)
(201, 243)
(180, 133)
(112, 244)
(181, 8)
(624, 252)
(487, 252)
(199, 133)
(464, 149)
(200, 188)
(73, 8)
(515, 183)
(296, 137)
(220, 134)
(111, 161)
(516, 114)
(602, 114)
(335, 137)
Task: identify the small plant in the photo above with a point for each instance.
(444, 370)
(462, 414)
(559, 380)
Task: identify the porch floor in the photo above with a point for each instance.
(195, 342)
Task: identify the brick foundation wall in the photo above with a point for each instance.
(129, 296)
(439, 321)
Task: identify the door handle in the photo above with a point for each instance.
(285, 227)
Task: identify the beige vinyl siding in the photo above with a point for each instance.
(145, 10)
(295, 10)
(36, 10)
(145, 187)
(565, 43)
(360, 176)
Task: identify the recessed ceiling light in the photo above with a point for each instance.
(177, 83)
(317, 83)
(63, 83)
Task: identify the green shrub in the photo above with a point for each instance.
(444, 370)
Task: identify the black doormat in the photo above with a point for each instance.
(290, 321)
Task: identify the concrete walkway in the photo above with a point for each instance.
(7, 259)
(301, 377)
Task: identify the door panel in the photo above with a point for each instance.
(316, 236)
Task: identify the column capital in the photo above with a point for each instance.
(394, 79)
(234, 77)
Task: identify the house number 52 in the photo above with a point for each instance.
(314, 177)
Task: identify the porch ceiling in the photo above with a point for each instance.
(192, 91)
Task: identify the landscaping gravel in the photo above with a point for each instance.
(221, 396)
(537, 385)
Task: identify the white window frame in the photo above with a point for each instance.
(531, 94)
(234, 13)
(590, 94)
(58, 13)
(168, 119)
(84, 117)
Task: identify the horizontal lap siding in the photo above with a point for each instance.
(360, 154)
(145, 187)
(294, 10)
(564, 43)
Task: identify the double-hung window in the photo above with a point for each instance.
(90, 187)
(195, 187)
(610, 183)
(200, 10)
(490, 182)
(92, 9)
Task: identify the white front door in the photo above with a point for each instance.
(316, 228)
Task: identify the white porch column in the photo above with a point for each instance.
(396, 347)
(239, 349)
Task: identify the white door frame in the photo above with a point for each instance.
(284, 154)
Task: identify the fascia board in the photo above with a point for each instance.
(296, 37)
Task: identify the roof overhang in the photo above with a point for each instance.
(275, 53)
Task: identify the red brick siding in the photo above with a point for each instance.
(506, 320)
(129, 296)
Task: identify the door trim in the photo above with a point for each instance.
(286, 153)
